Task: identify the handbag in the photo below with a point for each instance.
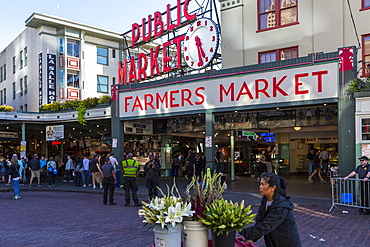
(55, 171)
(50, 169)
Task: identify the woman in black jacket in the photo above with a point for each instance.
(275, 220)
(15, 178)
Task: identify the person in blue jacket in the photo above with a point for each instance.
(275, 220)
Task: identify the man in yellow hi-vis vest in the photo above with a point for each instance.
(130, 168)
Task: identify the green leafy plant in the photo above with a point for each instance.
(81, 111)
(223, 216)
(358, 85)
(6, 108)
(202, 191)
(104, 99)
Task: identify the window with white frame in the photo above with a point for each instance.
(14, 90)
(14, 65)
(102, 84)
(1, 74)
(20, 59)
(278, 55)
(25, 57)
(1, 97)
(277, 13)
(73, 48)
(73, 79)
(4, 71)
(21, 86)
(102, 55)
(25, 85)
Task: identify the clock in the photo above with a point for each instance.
(201, 43)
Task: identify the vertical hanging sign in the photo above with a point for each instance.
(51, 80)
(40, 79)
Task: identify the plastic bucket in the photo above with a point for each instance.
(195, 234)
(167, 237)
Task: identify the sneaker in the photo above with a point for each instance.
(40, 185)
(7, 184)
(21, 184)
(13, 197)
(101, 187)
(49, 186)
(90, 184)
(65, 181)
(17, 197)
(94, 187)
(71, 181)
(53, 185)
(323, 181)
(311, 181)
(112, 203)
(84, 185)
(30, 186)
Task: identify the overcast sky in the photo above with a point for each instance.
(115, 15)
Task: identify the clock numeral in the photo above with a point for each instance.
(187, 58)
(213, 38)
(205, 23)
(199, 64)
(199, 23)
(211, 28)
(206, 59)
(187, 38)
(192, 29)
(185, 48)
(210, 50)
(192, 63)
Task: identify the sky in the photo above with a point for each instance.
(115, 15)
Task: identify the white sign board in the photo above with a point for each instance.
(289, 85)
(54, 132)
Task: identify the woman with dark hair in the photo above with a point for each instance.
(51, 165)
(15, 178)
(275, 220)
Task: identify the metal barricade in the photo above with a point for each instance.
(350, 193)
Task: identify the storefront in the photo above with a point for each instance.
(294, 107)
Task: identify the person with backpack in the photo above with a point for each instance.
(15, 177)
(51, 166)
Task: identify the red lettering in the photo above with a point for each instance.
(178, 13)
(166, 58)
(158, 24)
(135, 33)
(186, 97)
(169, 25)
(298, 83)
(245, 88)
(177, 41)
(141, 66)
(230, 90)
(276, 86)
(122, 72)
(146, 34)
(186, 13)
(160, 100)
(137, 103)
(126, 102)
(172, 98)
(319, 79)
(132, 72)
(263, 90)
(148, 101)
(154, 61)
(200, 96)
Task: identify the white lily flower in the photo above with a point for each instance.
(173, 216)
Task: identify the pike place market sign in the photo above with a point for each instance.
(289, 85)
(200, 44)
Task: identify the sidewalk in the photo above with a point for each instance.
(301, 192)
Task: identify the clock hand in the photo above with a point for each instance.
(201, 53)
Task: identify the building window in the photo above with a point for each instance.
(366, 55)
(278, 55)
(73, 79)
(113, 53)
(21, 85)
(4, 70)
(25, 107)
(14, 65)
(276, 13)
(102, 84)
(4, 96)
(365, 4)
(14, 92)
(1, 74)
(25, 85)
(61, 49)
(114, 81)
(20, 59)
(102, 55)
(1, 98)
(21, 108)
(25, 57)
(73, 48)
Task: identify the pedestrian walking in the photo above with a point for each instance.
(269, 153)
(51, 165)
(309, 159)
(191, 164)
(219, 158)
(324, 157)
(86, 171)
(109, 180)
(151, 176)
(316, 167)
(15, 177)
(363, 172)
(130, 173)
(275, 220)
(117, 169)
(96, 172)
(69, 168)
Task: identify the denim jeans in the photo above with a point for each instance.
(15, 184)
(310, 168)
(86, 177)
(118, 178)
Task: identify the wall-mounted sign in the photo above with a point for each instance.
(322, 140)
(54, 132)
(4, 134)
(288, 85)
(51, 77)
(40, 79)
(208, 141)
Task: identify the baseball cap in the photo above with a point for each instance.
(363, 158)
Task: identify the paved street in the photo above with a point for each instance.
(73, 216)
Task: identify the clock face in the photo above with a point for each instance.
(201, 43)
